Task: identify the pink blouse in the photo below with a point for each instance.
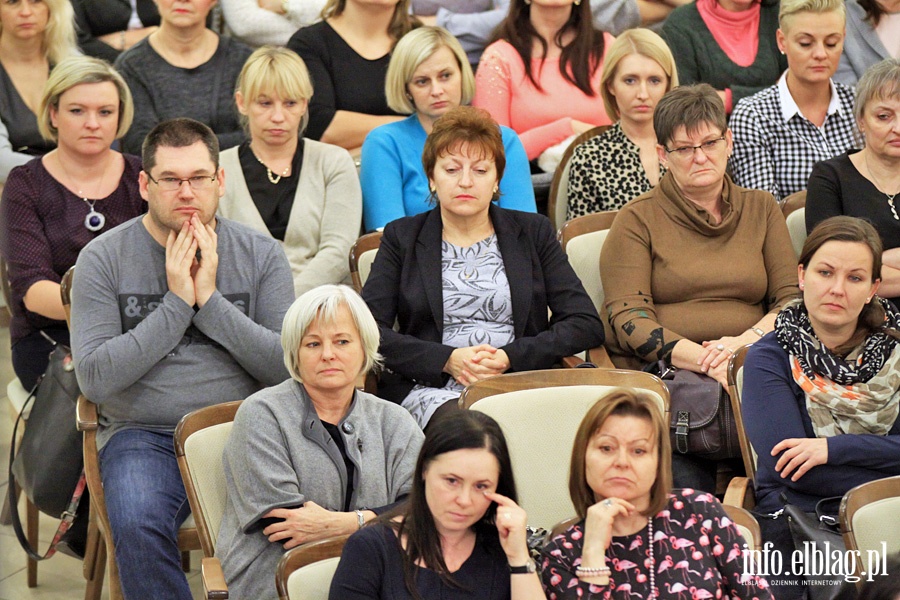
(541, 118)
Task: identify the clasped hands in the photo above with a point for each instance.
(716, 354)
(471, 363)
(192, 279)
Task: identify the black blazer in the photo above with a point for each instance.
(405, 285)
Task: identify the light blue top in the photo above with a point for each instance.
(394, 184)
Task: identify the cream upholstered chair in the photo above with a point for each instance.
(362, 255)
(582, 240)
(740, 490)
(539, 412)
(200, 440)
(305, 572)
(796, 222)
(558, 201)
(870, 517)
(746, 524)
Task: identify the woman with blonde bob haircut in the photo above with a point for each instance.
(428, 76)
(620, 482)
(27, 55)
(301, 192)
(621, 163)
(312, 457)
(54, 205)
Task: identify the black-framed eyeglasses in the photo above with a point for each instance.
(198, 183)
(707, 147)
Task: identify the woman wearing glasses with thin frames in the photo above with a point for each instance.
(697, 267)
(54, 205)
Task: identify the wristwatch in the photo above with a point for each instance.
(528, 567)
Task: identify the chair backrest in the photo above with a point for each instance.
(870, 517)
(746, 524)
(735, 388)
(558, 201)
(362, 255)
(793, 202)
(796, 223)
(582, 240)
(305, 572)
(199, 444)
(540, 412)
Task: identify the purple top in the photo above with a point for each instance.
(43, 231)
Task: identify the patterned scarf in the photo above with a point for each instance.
(859, 394)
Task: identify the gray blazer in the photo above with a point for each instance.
(862, 46)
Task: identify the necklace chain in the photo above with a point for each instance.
(95, 220)
(653, 593)
(881, 188)
(273, 179)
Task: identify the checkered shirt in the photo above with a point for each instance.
(777, 156)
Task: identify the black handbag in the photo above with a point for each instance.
(820, 530)
(48, 464)
(701, 420)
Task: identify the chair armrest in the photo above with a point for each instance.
(86, 418)
(600, 357)
(740, 493)
(570, 362)
(214, 587)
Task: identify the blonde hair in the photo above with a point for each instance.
(412, 50)
(401, 23)
(792, 7)
(278, 70)
(322, 303)
(635, 41)
(78, 70)
(60, 39)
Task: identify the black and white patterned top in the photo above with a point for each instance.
(605, 172)
(775, 147)
(477, 310)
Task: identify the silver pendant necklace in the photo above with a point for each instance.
(95, 220)
(881, 188)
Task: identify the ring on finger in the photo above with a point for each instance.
(607, 502)
(720, 347)
(729, 350)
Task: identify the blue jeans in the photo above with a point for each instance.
(146, 502)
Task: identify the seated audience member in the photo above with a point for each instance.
(820, 395)
(782, 131)
(272, 22)
(347, 55)
(469, 283)
(864, 183)
(428, 76)
(301, 192)
(171, 312)
(729, 44)
(622, 163)
(872, 36)
(106, 28)
(296, 469)
(460, 535)
(542, 75)
(184, 69)
(630, 517)
(54, 205)
(34, 36)
(697, 267)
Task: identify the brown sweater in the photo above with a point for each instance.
(669, 274)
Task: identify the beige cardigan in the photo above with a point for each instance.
(325, 218)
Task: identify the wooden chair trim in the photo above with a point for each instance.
(369, 241)
(854, 500)
(306, 554)
(585, 224)
(735, 364)
(214, 587)
(740, 493)
(793, 202)
(562, 526)
(744, 518)
(511, 382)
(600, 357)
(190, 424)
(566, 157)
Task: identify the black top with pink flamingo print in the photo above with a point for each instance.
(698, 553)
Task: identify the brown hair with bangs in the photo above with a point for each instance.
(688, 106)
(621, 403)
(464, 128)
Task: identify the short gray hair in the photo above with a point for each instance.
(323, 303)
(881, 81)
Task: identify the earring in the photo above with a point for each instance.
(577, 2)
(432, 189)
(801, 285)
(496, 188)
(409, 96)
(869, 299)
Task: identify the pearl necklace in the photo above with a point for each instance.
(880, 188)
(273, 179)
(653, 592)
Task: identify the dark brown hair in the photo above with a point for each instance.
(851, 229)
(580, 58)
(688, 106)
(622, 403)
(469, 127)
(178, 133)
(874, 11)
(401, 22)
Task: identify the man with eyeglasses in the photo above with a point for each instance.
(172, 311)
